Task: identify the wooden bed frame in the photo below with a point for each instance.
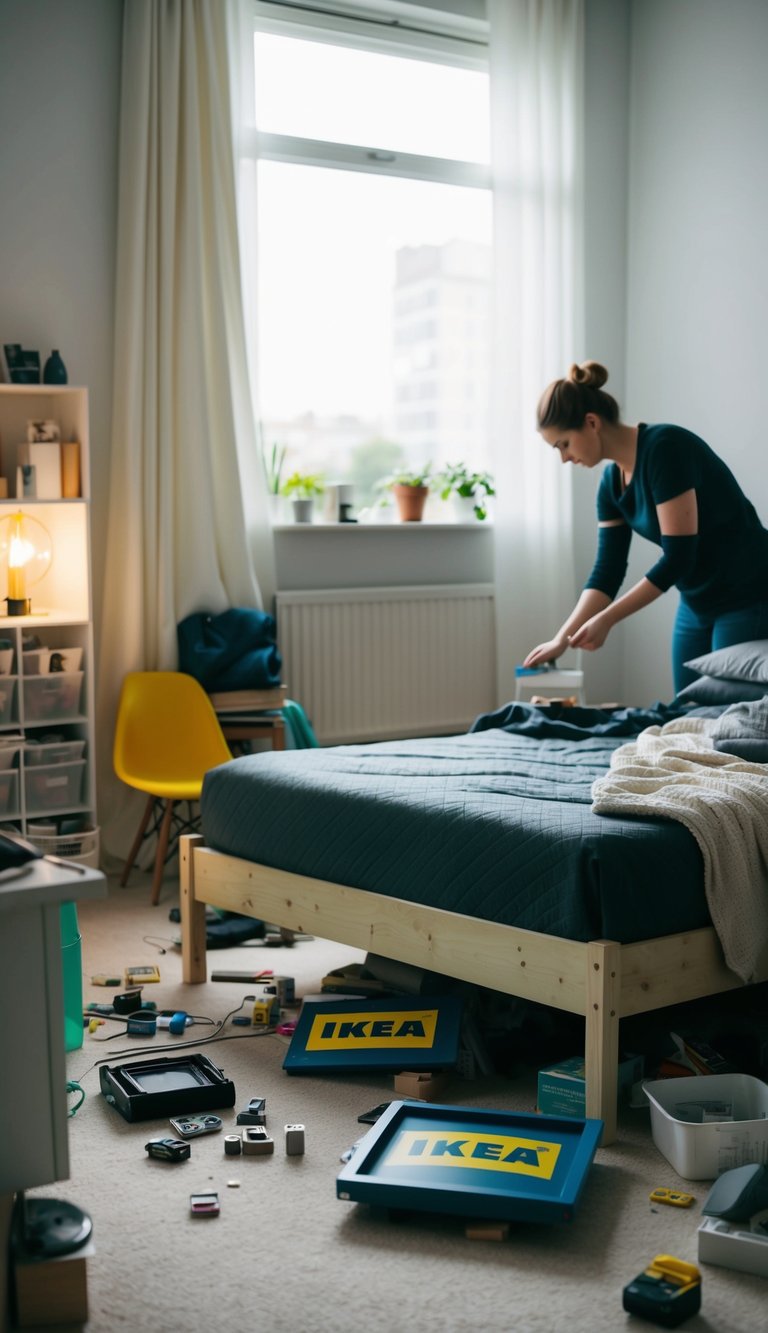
(602, 980)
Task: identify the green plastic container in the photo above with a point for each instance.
(72, 971)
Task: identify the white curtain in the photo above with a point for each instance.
(536, 61)
(183, 450)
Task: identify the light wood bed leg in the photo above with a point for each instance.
(193, 956)
(603, 987)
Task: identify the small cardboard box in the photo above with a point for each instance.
(562, 1087)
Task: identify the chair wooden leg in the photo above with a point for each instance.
(162, 848)
(133, 853)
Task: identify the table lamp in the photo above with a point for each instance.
(26, 552)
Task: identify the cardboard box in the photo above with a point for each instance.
(52, 1291)
(421, 1087)
(562, 1087)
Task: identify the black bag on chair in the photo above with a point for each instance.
(235, 650)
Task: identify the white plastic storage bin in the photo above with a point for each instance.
(53, 752)
(59, 786)
(732, 1130)
(9, 792)
(9, 755)
(54, 698)
(7, 697)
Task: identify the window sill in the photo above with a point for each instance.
(379, 528)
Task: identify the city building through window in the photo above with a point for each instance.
(374, 254)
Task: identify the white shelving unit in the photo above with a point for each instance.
(46, 792)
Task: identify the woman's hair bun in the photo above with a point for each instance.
(590, 373)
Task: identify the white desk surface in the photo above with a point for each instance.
(33, 1102)
(42, 882)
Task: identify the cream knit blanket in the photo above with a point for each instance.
(674, 772)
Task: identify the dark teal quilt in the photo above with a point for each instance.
(491, 824)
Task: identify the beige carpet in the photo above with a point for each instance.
(285, 1254)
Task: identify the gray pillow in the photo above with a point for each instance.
(742, 661)
(711, 690)
(745, 747)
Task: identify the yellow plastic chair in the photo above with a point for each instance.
(167, 737)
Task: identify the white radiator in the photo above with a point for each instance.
(373, 663)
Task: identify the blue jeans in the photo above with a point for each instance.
(695, 634)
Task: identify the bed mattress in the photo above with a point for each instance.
(490, 824)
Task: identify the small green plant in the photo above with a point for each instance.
(456, 479)
(421, 476)
(274, 461)
(302, 486)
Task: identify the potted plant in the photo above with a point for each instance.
(274, 461)
(410, 487)
(469, 489)
(302, 489)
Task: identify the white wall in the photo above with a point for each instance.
(675, 312)
(59, 94)
(697, 256)
(606, 135)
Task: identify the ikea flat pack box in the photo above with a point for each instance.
(499, 1166)
(350, 1035)
(562, 1087)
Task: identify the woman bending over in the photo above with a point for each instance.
(668, 485)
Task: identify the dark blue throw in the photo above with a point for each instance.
(235, 650)
(564, 722)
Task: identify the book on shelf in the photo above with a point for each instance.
(244, 701)
(18, 366)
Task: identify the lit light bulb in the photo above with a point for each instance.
(20, 552)
(25, 546)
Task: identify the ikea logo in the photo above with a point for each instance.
(484, 1152)
(366, 1031)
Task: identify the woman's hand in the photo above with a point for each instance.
(545, 652)
(592, 634)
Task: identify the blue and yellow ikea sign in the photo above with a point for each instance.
(484, 1152)
(365, 1031)
(400, 1032)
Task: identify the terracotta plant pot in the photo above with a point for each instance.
(410, 502)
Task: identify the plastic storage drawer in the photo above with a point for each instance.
(56, 787)
(41, 661)
(9, 755)
(54, 752)
(9, 792)
(53, 698)
(7, 693)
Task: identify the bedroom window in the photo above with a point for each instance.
(370, 305)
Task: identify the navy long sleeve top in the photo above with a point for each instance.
(724, 566)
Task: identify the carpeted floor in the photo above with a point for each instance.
(284, 1253)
